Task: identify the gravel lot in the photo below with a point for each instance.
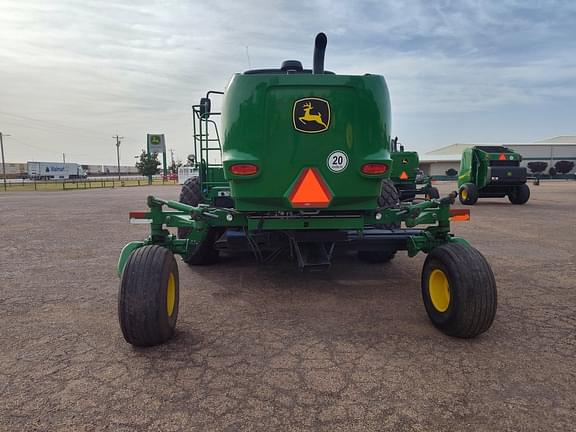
(267, 348)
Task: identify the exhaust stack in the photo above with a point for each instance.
(319, 51)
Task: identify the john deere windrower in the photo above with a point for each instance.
(302, 168)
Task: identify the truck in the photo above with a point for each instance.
(54, 171)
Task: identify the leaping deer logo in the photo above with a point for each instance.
(307, 117)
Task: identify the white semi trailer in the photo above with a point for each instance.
(54, 171)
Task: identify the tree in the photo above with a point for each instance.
(537, 167)
(451, 172)
(148, 165)
(564, 167)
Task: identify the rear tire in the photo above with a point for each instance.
(149, 296)
(388, 198)
(520, 194)
(468, 194)
(203, 253)
(459, 290)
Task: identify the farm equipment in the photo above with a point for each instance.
(404, 175)
(303, 170)
(492, 172)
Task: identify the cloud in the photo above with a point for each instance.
(132, 67)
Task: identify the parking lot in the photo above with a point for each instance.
(264, 347)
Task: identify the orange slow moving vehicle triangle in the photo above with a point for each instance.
(310, 191)
(404, 175)
(502, 156)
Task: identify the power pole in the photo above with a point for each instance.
(64, 158)
(118, 138)
(3, 162)
(172, 164)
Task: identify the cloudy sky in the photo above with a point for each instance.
(73, 73)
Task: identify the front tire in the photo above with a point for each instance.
(149, 296)
(459, 290)
(520, 194)
(432, 193)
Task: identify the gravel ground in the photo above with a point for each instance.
(267, 348)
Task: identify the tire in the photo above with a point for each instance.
(520, 194)
(432, 193)
(459, 290)
(468, 194)
(149, 296)
(388, 198)
(204, 253)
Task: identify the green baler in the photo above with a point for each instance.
(303, 168)
(404, 173)
(492, 172)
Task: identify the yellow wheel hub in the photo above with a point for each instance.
(464, 194)
(170, 295)
(439, 290)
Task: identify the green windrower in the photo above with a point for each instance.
(298, 166)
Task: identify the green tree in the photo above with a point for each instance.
(451, 172)
(564, 167)
(537, 167)
(148, 165)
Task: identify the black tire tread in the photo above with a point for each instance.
(520, 194)
(472, 194)
(472, 277)
(204, 253)
(142, 285)
(388, 198)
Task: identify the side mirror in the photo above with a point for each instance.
(205, 106)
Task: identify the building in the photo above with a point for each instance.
(550, 150)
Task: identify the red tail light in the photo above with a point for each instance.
(374, 168)
(243, 169)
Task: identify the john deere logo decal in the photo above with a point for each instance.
(311, 115)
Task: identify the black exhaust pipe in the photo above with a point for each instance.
(319, 51)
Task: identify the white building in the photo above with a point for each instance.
(550, 150)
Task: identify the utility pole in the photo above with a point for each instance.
(64, 158)
(118, 138)
(173, 164)
(3, 162)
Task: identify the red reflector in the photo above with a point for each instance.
(374, 168)
(502, 156)
(138, 215)
(459, 215)
(310, 191)
(404, 176)
(243, 169)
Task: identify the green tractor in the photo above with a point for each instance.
(301, 170)
(492, 172)
(405, 175)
